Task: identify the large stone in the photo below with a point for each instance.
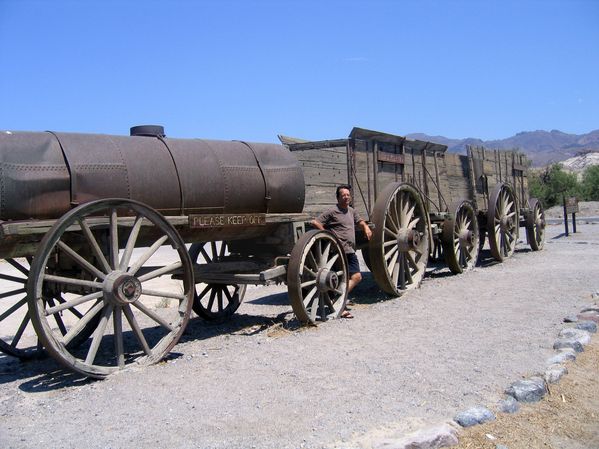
(527, 390)
(589, 326)
(435, 437)
(562, 356)
(474, 416)
(584, 337)
(554, 373)
(571, 319)
(508, 405)
(590, 309)
(589, 316)
(561, 343)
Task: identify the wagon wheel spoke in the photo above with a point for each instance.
(392, 251)
(207, 258)
(308, 283)
(114, 240)
(130, 245)
(307, 271)
(81, 261)
(93, 243)
(19, 266)
(82, 323)
(219, 295)
(394, 221)
(6, 277)
(146, 256)
(137, 330)
(390, 233)
(57, 318)
(72, 303)
(119, 348)
(17, 337)
(393, 265)
(311, 260)
(99, 275)
(309, 297)
(98, 334)
(161, 271)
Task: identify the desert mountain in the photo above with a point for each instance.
(542, 147)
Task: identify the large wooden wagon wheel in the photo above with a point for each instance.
(214, 302)
(502, 222)
(535, 225)
(317, 277)
(129, 289)
(460, 236)
(400, 243)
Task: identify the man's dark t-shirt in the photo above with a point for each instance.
(342, 223)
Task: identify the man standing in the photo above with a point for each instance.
(341, 220)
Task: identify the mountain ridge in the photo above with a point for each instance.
(541, 147)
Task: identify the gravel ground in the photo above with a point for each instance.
(260, 381)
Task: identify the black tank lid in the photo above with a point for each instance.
(148, 131)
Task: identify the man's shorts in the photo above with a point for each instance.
(353, 265)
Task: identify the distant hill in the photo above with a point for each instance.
(541, 147)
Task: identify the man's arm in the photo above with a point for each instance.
(317, 224)
(365, 228)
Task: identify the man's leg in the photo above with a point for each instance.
(354, 280)
(353, 267)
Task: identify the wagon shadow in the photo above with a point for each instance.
(40, 374)
(239, 324)
(245, 323)
(367, 291)
(43, 373)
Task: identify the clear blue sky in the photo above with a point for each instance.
(312, 68)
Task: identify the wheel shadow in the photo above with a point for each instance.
(239, 324)
(368, 291)
(43, 373)
(40, 374)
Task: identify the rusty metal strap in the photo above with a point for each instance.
(181, 193)
(72, 177)
(267, 196)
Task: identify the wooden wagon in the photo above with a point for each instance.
(423, 200)
(109, 242)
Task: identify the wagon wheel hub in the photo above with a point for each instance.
(408, 239)
(121, 288)
(540, 223)
(327, 280)
(466, 237)
(504, 223)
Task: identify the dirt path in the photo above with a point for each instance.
(259, 381)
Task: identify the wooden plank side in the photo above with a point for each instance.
(363, 182)
(324, 169)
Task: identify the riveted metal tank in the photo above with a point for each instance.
(44, 174)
